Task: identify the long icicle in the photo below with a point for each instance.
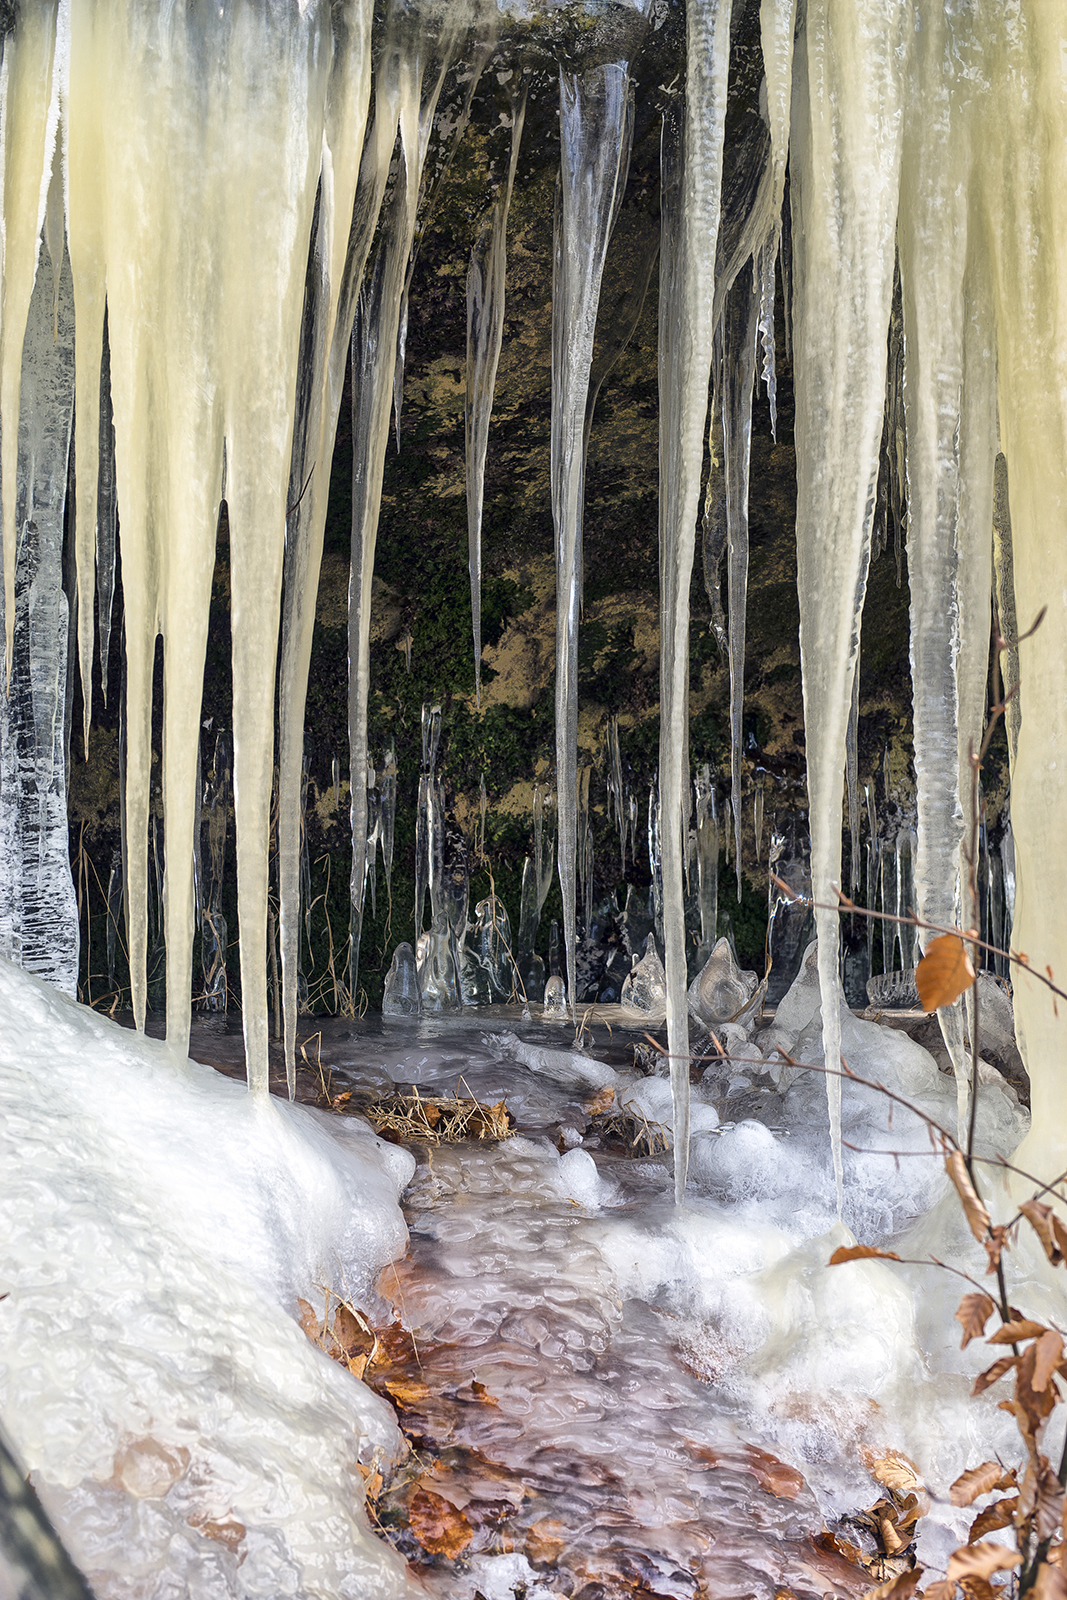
(374, 341)
(350, 198)
(594, 113)
(692, 172)
(844, 172)
(486, 286)
(740, 316)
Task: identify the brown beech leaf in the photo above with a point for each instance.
(895, 1471)
(1050, 1583)
(980, 1561)
(437, 1525)
(940, 1591)
(1048, 1353)
(861, 1252)
(1040, 1217)
(974, 1312)
(944, 972)
(975, 1212)
(224, 1530)
(995, 1246)
(1015, 1331)
(309, 1321)
(902, 1587)
(978, 1589)
(991, 1374)
(998, 1515)
(975, 1481)
(892, 1539)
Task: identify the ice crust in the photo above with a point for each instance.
(159, 1222)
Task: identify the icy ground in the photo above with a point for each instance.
(643, 1373)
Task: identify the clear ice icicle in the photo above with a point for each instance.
(38, 911)
(844, 161)
(594, 118)
(692, 173)
(486, 284)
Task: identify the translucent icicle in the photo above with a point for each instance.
(707, 830)
(29, 111)
(594, 117)
(852, 782)
(739, 368)
(933, 243)
(350, 197)
(692, 171)
(106, 516)
(486, 283)
(38, 911)
(844, 160)
(419, 75)
(1005, 593)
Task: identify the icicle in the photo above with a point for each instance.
(388, 814)
(692, 170)
(1005, 593)
(106, 516)
(738, 376)
(765, 276)
(934, 241)
(594, 117)
(844, 159)
(873, 865)
(757, 818)
(350, 197)
(486, 284)
(214, 933)
(707, 862)
(426, 825)
(38, 911)
(852, 781)
(895, 428)
(418, 77)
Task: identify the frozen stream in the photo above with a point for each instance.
(613, 1395)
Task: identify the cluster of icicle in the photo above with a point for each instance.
(209, 180)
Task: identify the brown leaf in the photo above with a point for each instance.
(974, 1312)
(861, 1252)
(995, 1246)
(978, 1589)
(998, 1515)
(228, 1531)
(599, 1103)
(437, 1525)
(1038, 1404)
(546, 1540)
(980, 1561)
(1050, 1583)
(991, 1374)
(940, 1591)
(977, 1481)
(309, 1321)
(975, 1212)
(1040, 1216)
(902, 1587)
(892, 1539)
(1048, 1353)
(895, 1471)
(1042, 1498)
(944, 972)
(774, 1476)
(1015, 1331)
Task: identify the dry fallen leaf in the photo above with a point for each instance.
(998, 1515)
(437, 1525)
(902, 1587)
(980, 1561)
(1048, 1353)
(895, 1471)
(1050, 1583)
(975, 1212)
(861, 1252)
(944, 972)
(225, 1531)
(974, 1312)
(1049, 1229)
(1015, 1331)
(978, 1480)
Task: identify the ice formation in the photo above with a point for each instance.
(159, 1223)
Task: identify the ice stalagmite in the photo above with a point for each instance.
(339, 247)
(845, 156)
(38, 913)
(692, 169)
(595, 127)
(418, 52)
(486, 283)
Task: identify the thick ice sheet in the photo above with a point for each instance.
(159, 1222)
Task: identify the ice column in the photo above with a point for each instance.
(845, 156)
(692, 169)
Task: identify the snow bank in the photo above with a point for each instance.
(158, 1224)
